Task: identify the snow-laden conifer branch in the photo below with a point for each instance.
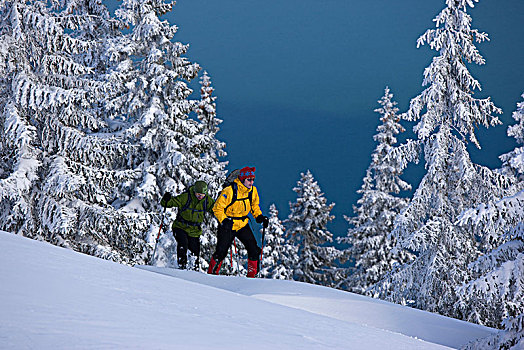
(20, 163)
(511, 338)
(513, 162)
(53, 64)
(503, 213)
(404, 154)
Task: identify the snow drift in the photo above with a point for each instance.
(54, 298)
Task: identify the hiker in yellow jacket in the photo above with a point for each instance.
(231, 209)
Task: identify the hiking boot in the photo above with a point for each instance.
(252, 268)
(182, 265)
(214, 267)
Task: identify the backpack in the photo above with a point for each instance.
(230, 181)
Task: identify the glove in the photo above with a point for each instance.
(165, 199)
(227, 224)
(261, 219)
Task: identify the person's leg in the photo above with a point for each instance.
(224, 239)
(181, 247)
(245, 235)
(194, 247)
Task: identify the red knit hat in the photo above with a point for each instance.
(246, 172)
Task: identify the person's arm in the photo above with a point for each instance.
(180, 200)
(226, 196)
(210, 204)
(255, 204)
(168, 201)
(255, 209)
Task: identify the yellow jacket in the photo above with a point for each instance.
(240, 208)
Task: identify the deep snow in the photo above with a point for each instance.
(54, 298)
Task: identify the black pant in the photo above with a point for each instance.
(225, 239)
(185, 241)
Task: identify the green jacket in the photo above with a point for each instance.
(193, 214)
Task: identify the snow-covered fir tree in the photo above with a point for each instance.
(61, 164)
(154, 95)
(173, 149)
(95, 124)
(369, 233)
(447, 114)
(496, 291)
(306, 227)
(278, 256)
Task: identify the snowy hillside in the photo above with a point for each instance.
(53, 298)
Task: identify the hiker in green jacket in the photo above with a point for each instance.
(191, 204)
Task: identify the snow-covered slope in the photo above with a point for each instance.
(53, 298)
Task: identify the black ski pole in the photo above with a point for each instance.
(262, 249)
(158, 235)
